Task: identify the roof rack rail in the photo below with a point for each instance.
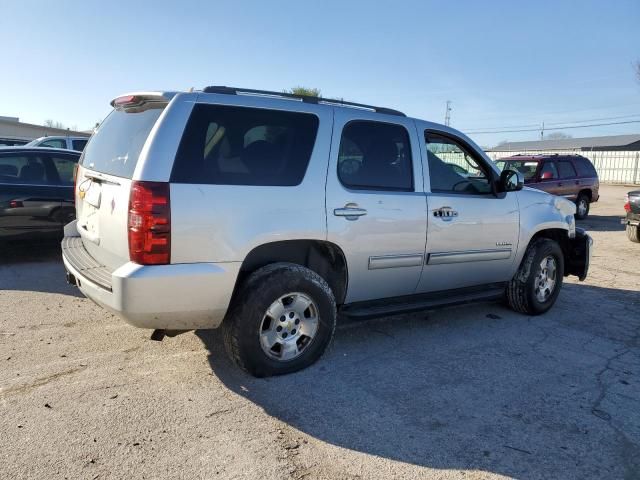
(305, 98)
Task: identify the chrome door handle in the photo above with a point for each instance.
(350, 212)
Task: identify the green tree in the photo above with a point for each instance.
(305, 91)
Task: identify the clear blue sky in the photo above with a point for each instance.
(501, 63)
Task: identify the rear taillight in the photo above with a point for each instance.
(149, 223)
(627, 204)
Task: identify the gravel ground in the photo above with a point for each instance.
(468, 392)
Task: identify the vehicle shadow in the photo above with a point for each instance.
(601, 223)
(473, 388)
(34, 266)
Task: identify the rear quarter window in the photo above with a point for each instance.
(226, 145)
(585, 168)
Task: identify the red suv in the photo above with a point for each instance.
(569, 176)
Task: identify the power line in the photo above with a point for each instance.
(597, 119)
(557, 128)
(501, 129)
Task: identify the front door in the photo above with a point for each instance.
(375, 203)
(472, 232)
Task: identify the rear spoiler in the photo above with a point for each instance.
(135, 99)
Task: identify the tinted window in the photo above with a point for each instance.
(453, 169)
(375, 156)
(23, 169)
(584, 167)
(115, 146)
(527, 168)
(79, 144)
(65, 166)
(549, 168)
(245, 146)
(566, 170)
(56, 143)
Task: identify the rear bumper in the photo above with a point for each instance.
(177, 297)
(579, 254)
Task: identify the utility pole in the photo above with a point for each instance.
(542, 132)
(447, 114)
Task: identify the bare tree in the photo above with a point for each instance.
(558, 136)
(54, 124)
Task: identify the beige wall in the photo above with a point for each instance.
(28, 131)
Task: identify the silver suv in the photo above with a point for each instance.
(268, 214)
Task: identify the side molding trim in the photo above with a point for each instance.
(395, 261)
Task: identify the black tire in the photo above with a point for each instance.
(521, 291)
(582, 198)
(633, 233)
(243, 324)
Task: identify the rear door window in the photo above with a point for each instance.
(375, 156)
(116, 145)
(226, 145)
(565, 169)
(25, 169)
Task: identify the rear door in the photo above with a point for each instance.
(375, 203)
(30, 196)
(568, 185)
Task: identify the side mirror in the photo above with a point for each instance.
(546, 176)
(511, 181)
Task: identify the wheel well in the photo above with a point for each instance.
(587, 192)
(558, 235)
(324, 258)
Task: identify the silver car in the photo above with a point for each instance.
(268, 214)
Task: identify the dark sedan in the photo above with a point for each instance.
(36, 192)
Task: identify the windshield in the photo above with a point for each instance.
(527, 168)
(115, 146)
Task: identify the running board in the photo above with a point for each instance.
(423, 301)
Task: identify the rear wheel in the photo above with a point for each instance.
(633, 233)
(536, 285)
(582, 206)
(282, 321)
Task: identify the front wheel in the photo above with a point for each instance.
(282, 320)
(633, 233)
(536, 285)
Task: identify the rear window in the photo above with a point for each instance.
(225, 145)
(115, 146)
(527, 168)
